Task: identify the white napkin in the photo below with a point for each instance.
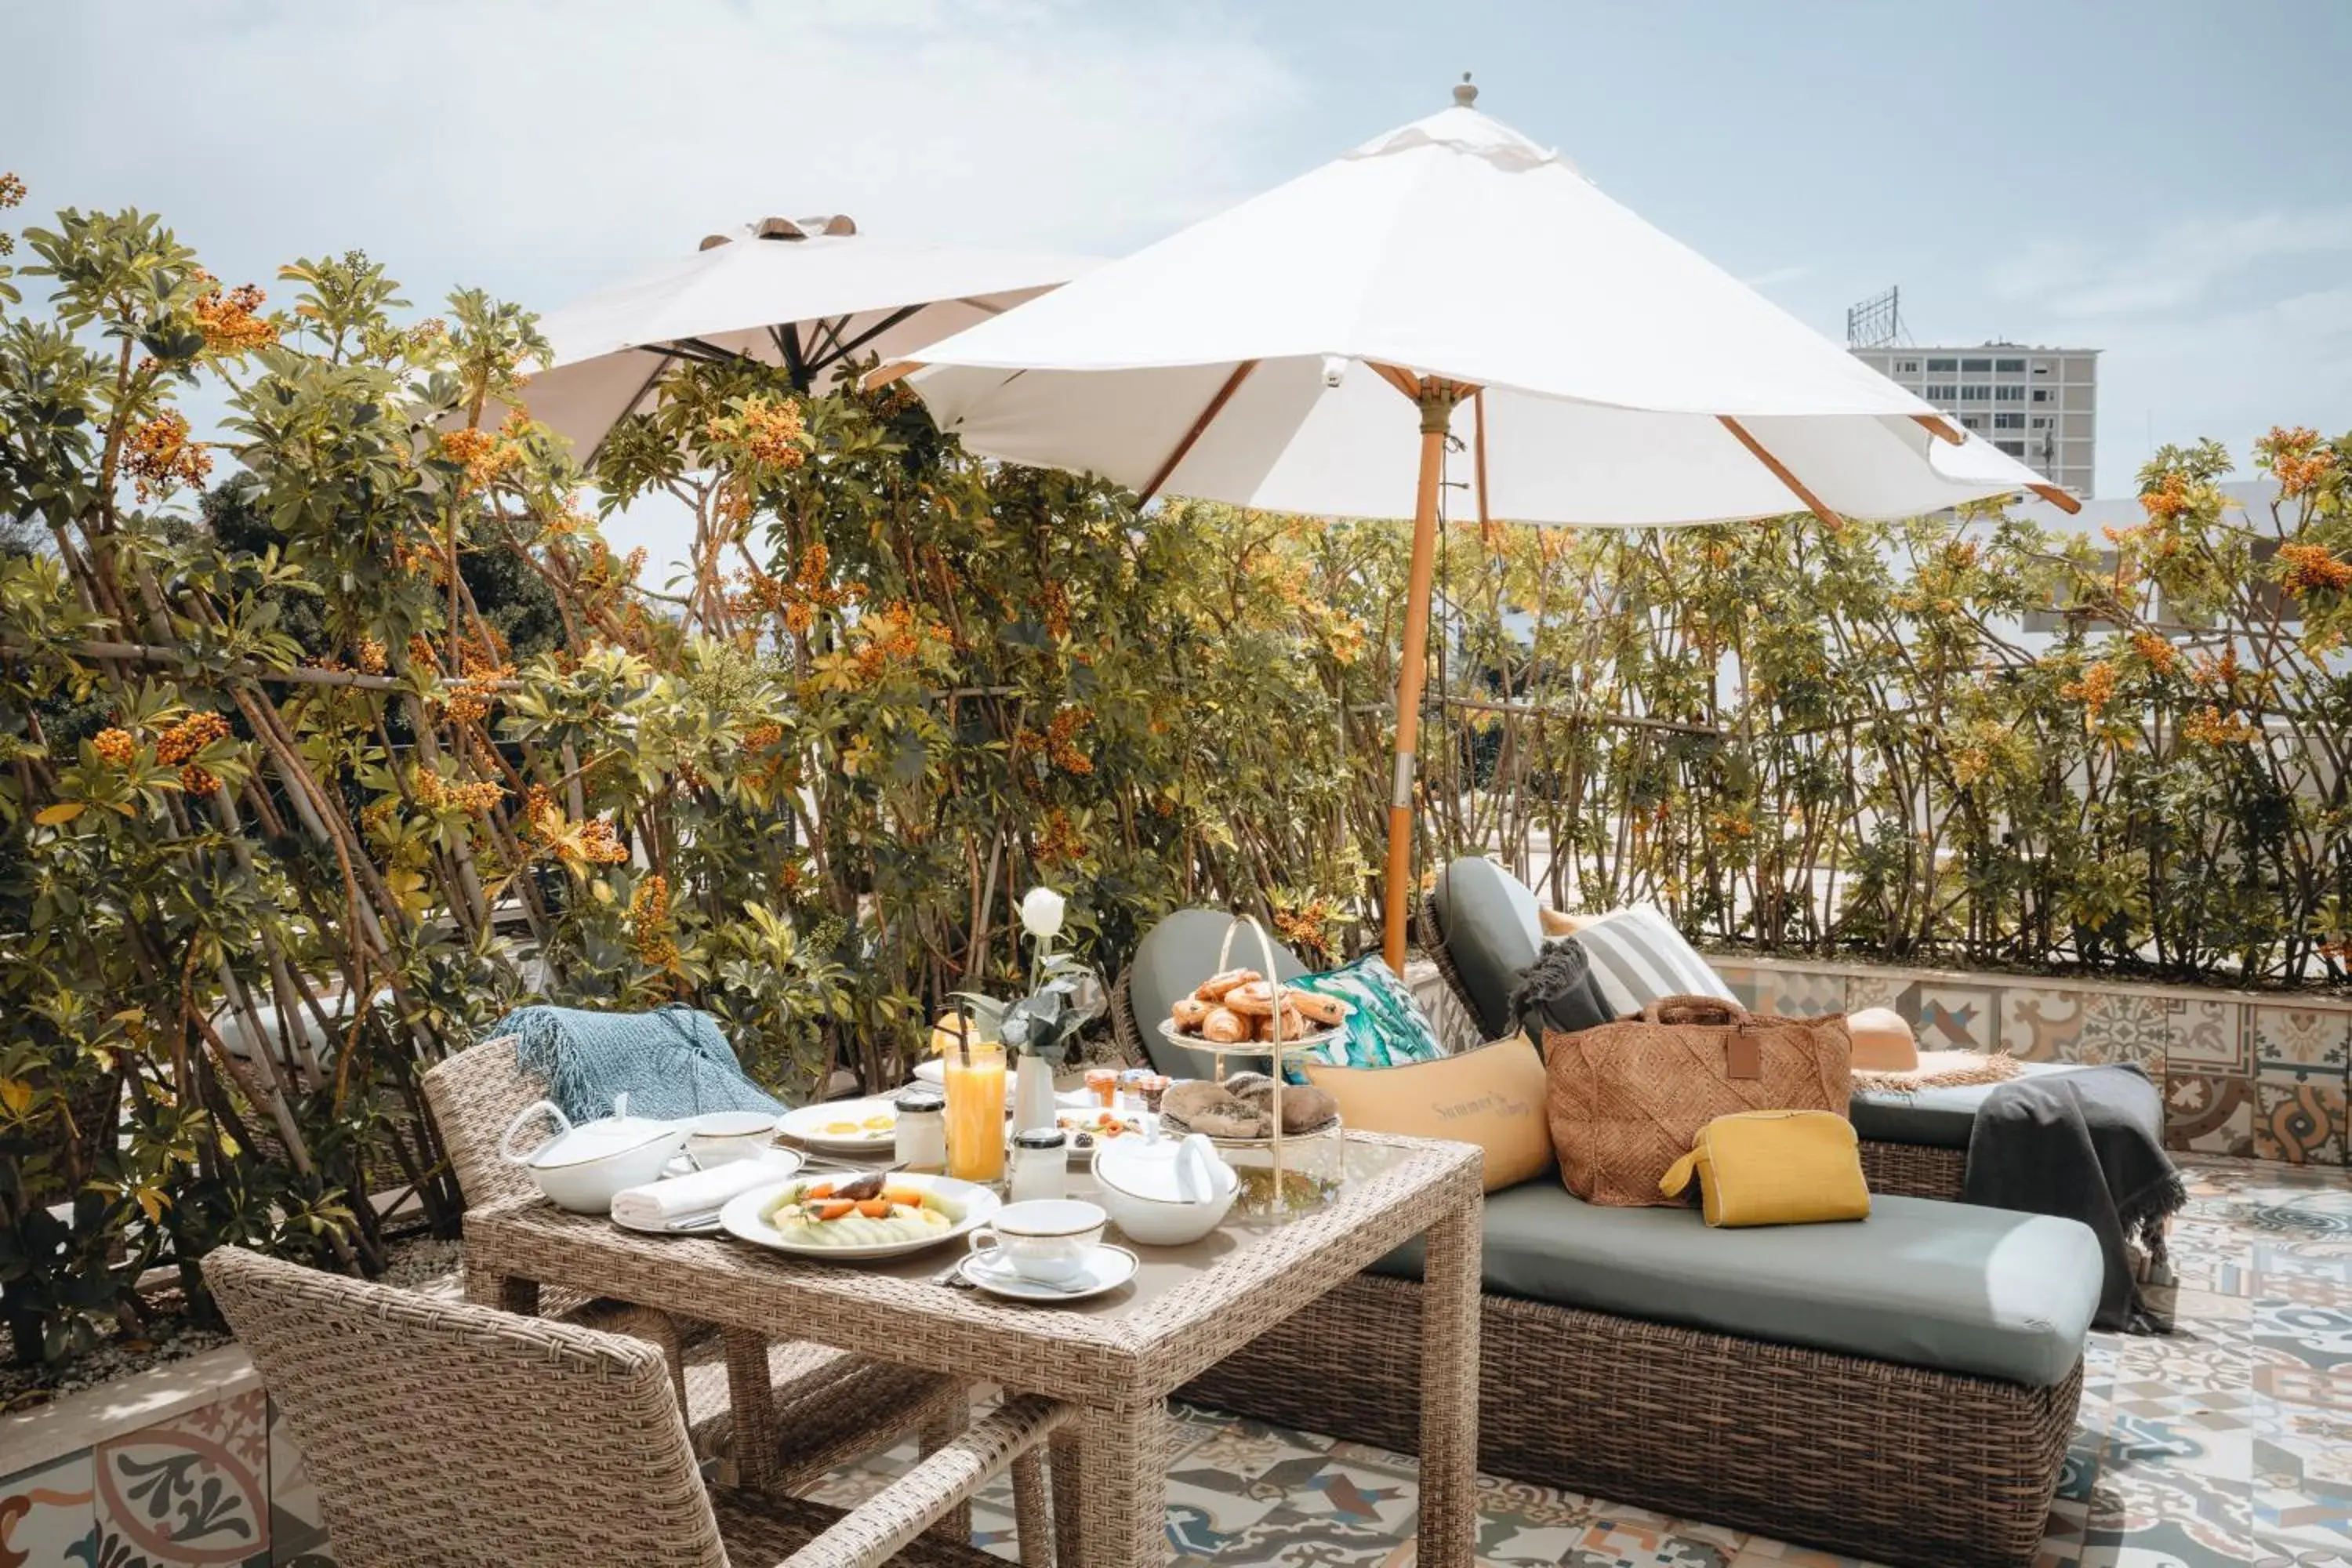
(696, 1196)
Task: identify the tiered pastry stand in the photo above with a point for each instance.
(1272, 1150)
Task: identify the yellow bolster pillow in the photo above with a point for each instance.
(1774, 1167)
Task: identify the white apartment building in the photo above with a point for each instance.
(2040, 405)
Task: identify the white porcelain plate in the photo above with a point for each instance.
(746, 1217)
(844, 1126)
(1110, 1267)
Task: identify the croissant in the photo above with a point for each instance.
(1225, 1025)
(1215, 986)
(1253, 997)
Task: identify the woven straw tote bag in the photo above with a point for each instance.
(1627, 1099)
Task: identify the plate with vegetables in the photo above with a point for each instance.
(871, 1215)
(844, 1126)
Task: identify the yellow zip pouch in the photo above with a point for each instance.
(1774, 1167)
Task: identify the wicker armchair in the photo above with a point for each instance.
(440, 1433)
(821, 1406)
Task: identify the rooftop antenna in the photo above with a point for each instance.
(1877, 322)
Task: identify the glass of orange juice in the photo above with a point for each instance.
(976, 1117)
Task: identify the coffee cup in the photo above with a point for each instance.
(1045, 1240)
(721, 1137)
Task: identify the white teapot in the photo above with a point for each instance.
(582, 1167)
(1162, 1193)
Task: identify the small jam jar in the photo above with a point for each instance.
(1103, 1084)
(1041, 1165)
(922, 1129)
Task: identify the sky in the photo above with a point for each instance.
(2165, 181)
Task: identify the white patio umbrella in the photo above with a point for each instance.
(1453, 277)
(808, 294)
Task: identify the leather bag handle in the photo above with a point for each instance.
(1679, 1010)
(1742, 1057)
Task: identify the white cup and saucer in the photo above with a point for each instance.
(1047, 1249)
(719, 1138)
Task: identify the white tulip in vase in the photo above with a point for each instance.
(1065, 996)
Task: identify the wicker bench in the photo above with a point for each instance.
(1887, 1460)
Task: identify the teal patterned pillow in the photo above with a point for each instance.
(1385, 1027)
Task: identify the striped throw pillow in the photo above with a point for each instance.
(1638, 956)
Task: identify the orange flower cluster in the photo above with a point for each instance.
(471, 702)
(2169, 501)
(371, 656)
(2210, 727)
(893, 638)
(2156, 652)
(1061, 842)
(436, 793)
(115, 747)
(1059, 742)
(2296, 459)
(232, 323)
(483, 455)
(1308, 926)
(765, 430)
(2311, 567)
(649, 923)
(1054, 602)
(12, 191)
(2094, 690)
(811, 591)
(595, 842)
(161, 458)
(181, 744)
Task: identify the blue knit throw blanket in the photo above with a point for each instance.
(671, 1062)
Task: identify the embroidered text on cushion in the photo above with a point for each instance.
(1638, 957)
(1493, 1097)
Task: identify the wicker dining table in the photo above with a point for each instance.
(1116, 1357)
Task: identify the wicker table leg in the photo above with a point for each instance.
(1121, 1492)
(1449, 1392)
(506, 1292)
(751, 1398)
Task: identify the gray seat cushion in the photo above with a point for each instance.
(1938, 1118)
(1173, 957)
(1492, 933)
(1983, 1292)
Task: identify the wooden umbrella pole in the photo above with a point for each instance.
(1437, 400)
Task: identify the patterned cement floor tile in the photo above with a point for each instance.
(2228, 1443)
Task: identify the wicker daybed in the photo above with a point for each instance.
(1873, 1434)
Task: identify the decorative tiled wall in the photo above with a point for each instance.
(220, 1485)
(2242, 1073)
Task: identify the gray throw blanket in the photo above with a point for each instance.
(2086, 1145)
(671, 1062)
(1557, 991)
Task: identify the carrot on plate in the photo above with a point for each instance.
(839, 1209)
(874, 1209)
(911, 1196)
(821, 1190)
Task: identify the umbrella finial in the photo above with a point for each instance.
(1465, 94)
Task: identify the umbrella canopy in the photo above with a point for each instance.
(809, 294)
(1594, 370)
